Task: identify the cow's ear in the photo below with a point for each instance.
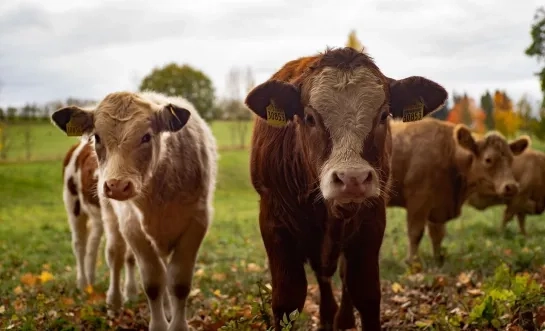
(520, 144)
(170, 118)
(73, 120)
(414, 97)
(275, 101)
(464, 138)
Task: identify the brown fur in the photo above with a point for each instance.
(435, 166)
(529, 171)
(298, 222)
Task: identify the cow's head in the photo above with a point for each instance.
(127, 132)
(341, 108)
(486, 162)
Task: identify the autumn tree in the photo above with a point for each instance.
(487, 105)
(507, 121)
(354, 42)
(466, 111)
(537, 47)
(184, 81)
(524, 110)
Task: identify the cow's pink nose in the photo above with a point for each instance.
(353, 181)
(119, 189)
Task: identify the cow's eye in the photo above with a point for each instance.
(488, 160)
(384, 116)
(309, 120)
(97, 139)
(146, 138)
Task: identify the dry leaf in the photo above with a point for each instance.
(29, 279)
(424, 309)
(2, 309)
(252, 267)
(219, 277)
(89, 289)
(423, 323)
(396, 287)
(464, 278)
(475, 292)
(199, 272)
(540, 316)
(45, 276)
(67, 301)
(18, 290)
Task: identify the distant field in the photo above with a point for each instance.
(47, 142)
(35, 240)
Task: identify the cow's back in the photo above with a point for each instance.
(423, 167)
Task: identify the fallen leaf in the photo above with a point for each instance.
(399, 299)
(28, 279)
(424, 309)
(199, 272)
(45, 276)
(18, 290)
(252, 267)
(89, 289)
(219, 277)
(2, 309)
(540, 316)
(67, 301)
(464, 278)
(194, 292)
(396, 287)
(423, 323)
(475, 292)
(46, 266)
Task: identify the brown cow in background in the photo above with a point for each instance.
(320, 161)
(529, 171)
(436, 165)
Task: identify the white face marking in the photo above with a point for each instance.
(347, 101)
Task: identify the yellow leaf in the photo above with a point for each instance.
(46, 266)
(18, 290)
(67, 301)
(396, 287)
(199, 272)
(2, 309)
(464, 278)
(28, 279)
(45, 276)
(89, 289)
(217, 293)
(423, 323)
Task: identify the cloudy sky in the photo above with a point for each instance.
(90, 48)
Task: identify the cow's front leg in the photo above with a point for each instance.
(437, 233)
(181, 268)
(152, 272)
(362, 276)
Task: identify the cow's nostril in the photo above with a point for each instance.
(337, 177)
(367, 177)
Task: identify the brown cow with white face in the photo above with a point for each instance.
(320, 162)
(436, 165)
(157, 165)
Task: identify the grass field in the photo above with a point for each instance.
(37, 276)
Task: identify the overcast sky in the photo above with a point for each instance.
(90, 48)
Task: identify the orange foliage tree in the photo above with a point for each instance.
(466, 111)
(507, 121)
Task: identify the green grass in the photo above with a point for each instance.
(35, 237)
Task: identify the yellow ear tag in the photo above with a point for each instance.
(275, 116)
(414, 112)
(171, 108)
(73, 129)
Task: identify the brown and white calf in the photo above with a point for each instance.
(320, 162)
(157, 162)
(436, 165)
(529, 171)
(86, 217)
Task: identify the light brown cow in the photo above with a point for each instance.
(436, 165)
(84, 209)
(157, 168)
(529, 171)
(320, 162)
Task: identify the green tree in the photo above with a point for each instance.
(487, 105)
(467, 119)
(524, 108)
(537, 47)
(2, 114)
(184, 81)
(11, 113)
